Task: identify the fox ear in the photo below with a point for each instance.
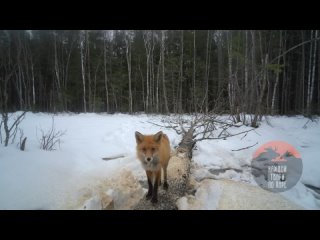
(139, 137)
(157, 137)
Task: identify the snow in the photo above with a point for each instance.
(206, 198)
(230, 195)
(75, 177)
(38, 179)
(218, 154)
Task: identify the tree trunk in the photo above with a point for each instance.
(128, 55)
(105, 69)
(33, 87)
(207, 73)
(277, 78)
(181, 76)
(253, 73)
(163, 72)
(57, 70)
(246, 75)
(220, 63)
(147, 45)
(318, 85)
(303, 74)
(157, 84)
(88, 70)
(309, 75)
(83, 70)
(230, 84)
(310, 92)
(95, 88)
(194, 73)
(143, 91)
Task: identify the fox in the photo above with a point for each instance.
(153, 151)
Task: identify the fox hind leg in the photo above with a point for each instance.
(165, 182)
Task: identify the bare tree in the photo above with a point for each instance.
(246, 75)
(10, 130)
(311, 75)
(51, 138)
(82, 55)
(95, 87)
(163, 72)
(57, 70)
(147, 44)
(105, 68)
(88, 64)
(181, 75)
(231, 78)
(194, 73)
(207, 72)
(219, 41)
(128, 39)
(199, 128)
(277, 76)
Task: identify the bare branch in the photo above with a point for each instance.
(209, 138)
(245, 147)
(17, 121)
(9, 134)
(49, 140)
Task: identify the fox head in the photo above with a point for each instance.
(148, 149)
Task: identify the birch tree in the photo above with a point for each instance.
(277, 76)
(181, 75)
(230, 83)
(82, 55)
(105, 34)
(194, 73)
(128, 39)
(311, 75)
(163, 36)
(147, 44)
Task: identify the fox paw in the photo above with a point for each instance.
(148, 196)
(154, 200)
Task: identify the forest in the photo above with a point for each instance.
(238, 72)
(229, 104)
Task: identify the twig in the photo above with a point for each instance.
(201, 139)
(169, 127)
(17, 121)
(51, 138)
(0, 131)
(305, 125)
(244, 136)
(245, 147)
(114, 157)
(228, 124)
(257, 133)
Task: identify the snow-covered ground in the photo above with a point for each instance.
(75, 172)
(218, 154)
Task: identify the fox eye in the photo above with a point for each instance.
(144, 149)
(153, 149)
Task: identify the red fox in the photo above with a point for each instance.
(154, 153)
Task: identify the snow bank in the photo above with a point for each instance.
(231, 195)
(218, 154)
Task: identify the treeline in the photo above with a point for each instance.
(161, 71)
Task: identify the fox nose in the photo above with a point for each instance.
(148, 159)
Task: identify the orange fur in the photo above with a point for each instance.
(153, 151)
